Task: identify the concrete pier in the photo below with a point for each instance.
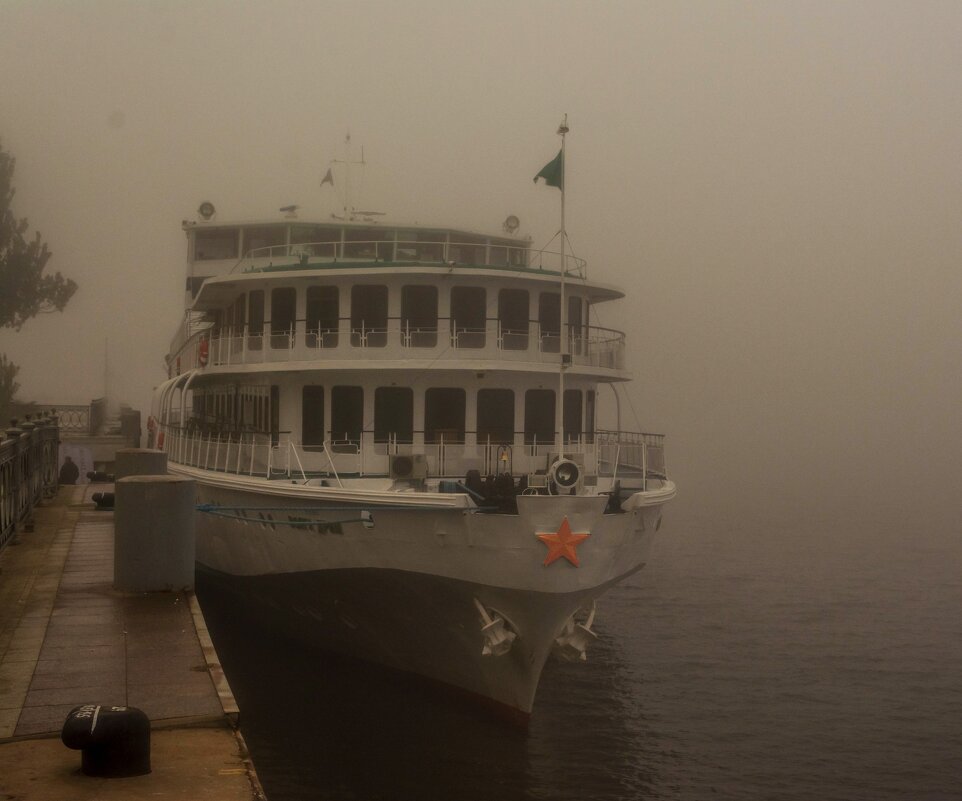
(67, 637)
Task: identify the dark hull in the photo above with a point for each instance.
(423, 625)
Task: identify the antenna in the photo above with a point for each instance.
(351, 212)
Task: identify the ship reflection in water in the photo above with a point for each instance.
(319, 726)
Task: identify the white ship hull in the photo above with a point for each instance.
(405, 580)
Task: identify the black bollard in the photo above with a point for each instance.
(104, 500)
(114, 741)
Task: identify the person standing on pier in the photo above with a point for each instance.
(69, 472)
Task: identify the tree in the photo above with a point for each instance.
(24, 289)
(8, 387)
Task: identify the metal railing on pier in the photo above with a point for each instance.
(28, 470)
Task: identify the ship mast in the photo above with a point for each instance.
(565, 355)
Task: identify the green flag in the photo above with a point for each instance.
(553, 172)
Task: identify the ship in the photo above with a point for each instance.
(406, 441)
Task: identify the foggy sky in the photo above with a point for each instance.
(777, 185)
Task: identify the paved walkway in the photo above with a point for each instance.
(68, 638)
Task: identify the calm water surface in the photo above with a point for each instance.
(805, 663)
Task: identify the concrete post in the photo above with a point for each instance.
(154, 533)
(139, 462)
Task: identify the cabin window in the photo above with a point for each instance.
(513, 318)
(539, 416)
(419, 316)
(252, 408)
(267, 240)
(275, 414)
(315, 240)
(255, 319)
(394, 414)
(376, 244)
(575, 323)
(322, 309)
(369, 316)
(347, 418)
(283, 316)
(549, 321)
(444, 414)
(495, 416)
(239, 315)
(466, 249)
(590, 416)
(312, 417)
(572, 415)
(215, 243)
(468, 316)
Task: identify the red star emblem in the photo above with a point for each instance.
(562, 543)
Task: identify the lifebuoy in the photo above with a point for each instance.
(203, 351)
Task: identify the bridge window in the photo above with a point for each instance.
(369, 243)
(322, 309)
(539, 416)
(495, 416)
(312, 416)
(215, 243)
(268, 240)
(444, 414)
(347, 418)
(466, 250)
(283, 315)
(394, 414)
(421, 245)
(468, 313)
(369, 316)
(323, 240)
(419, 316)
(513, 316)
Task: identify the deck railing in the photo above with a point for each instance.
(344, 339)
(388, 251)
(616, 454)
(28, 470)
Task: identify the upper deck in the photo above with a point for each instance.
(340, 291)
(215, 249)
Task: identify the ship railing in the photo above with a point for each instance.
(397, 338)
(29, 456)
(452, 253)
(632, 456)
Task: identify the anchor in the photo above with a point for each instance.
(572, 644)
(497, 639)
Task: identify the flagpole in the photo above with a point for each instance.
(565, 357)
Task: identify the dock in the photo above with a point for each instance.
(68, 638)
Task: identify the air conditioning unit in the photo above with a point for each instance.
(409, 467)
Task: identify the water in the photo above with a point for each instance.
(794, 663)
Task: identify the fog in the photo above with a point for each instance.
(778, 186)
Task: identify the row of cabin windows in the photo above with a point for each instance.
(384, 244)
(243, 408)
(444, 415)
(418, 321)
